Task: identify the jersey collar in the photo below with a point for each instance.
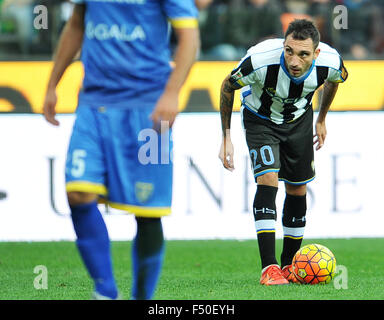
(295, 80)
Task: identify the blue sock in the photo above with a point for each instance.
(94, 247)
(147, 257)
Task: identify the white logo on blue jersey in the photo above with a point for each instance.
(123, 32)
(126, 50)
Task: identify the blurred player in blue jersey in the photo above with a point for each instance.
(129, 88)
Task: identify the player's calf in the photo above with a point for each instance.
(147, 257)
(264, 212)
(93, 242)
(294, 221)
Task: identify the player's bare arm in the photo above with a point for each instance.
(167, 107)
(227, 94)
(69, 45)
(329, 92)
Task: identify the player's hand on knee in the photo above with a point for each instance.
(49, 107)
(166, 109)
(319, 136)
(226, 154)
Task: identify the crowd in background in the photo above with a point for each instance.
(228, 27)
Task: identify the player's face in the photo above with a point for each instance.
(298, 55)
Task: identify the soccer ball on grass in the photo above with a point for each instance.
(314, 264)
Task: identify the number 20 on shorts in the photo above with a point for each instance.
(266, 157)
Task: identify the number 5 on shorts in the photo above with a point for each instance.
(265, 154)
(78, 163)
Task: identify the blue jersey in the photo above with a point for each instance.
(125, 50)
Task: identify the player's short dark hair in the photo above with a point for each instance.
(302, 29)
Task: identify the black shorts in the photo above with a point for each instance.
(284, 148)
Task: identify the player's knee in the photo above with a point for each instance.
(269, 179)
(296, 190)
(79, 198)
(146, 221)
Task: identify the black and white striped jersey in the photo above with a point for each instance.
(271, 92)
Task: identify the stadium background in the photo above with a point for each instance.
(209, 203)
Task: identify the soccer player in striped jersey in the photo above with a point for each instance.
(129, 88)
(278, 78)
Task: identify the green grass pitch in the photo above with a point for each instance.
(193, 270)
